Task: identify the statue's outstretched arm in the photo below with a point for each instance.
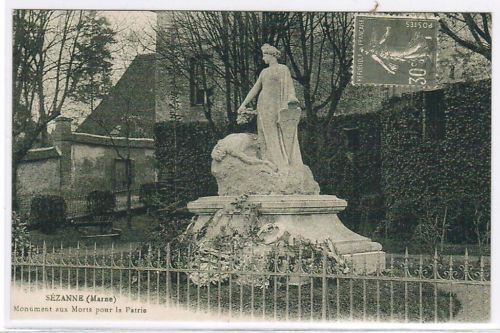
(252, 93)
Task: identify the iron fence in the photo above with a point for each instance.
(282, 287)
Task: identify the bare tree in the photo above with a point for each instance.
(120, 137)
(469, 30)
(45, 71)
(224, 46)
(318, 49)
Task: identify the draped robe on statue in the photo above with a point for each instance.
(276, 91)
(269, 162)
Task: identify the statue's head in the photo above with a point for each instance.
(269, 51)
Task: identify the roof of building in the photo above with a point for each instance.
(103, 140)
(37, 154)
(130, 105)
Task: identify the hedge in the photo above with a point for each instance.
(423, 175)
(100, 202)
(183, 153)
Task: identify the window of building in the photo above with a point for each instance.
(120, 174)
(198, 95)
(352, 138)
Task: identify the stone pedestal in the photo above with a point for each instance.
(310, 217)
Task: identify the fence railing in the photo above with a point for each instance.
(281, 287)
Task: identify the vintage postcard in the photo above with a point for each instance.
(319, 167)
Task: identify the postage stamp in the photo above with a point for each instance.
(395, 50)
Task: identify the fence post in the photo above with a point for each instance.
(311, 290)
(287, 286)
(139, 273)
(219, 282)
(450, 277)
(44, 263)
(466, 276)
(231, 269)
(378, 288)
(189, 267)
(324, 290)
(275, 284)
(150, 265)
(158, 265)
(112, 265)
(167, 287)
(406, 283)
(392, 286)
(78, 263)
(299, 285)
(22, 267)
(435, 276)
(420, 277)
(466, 265)
(481, 269)
(14, 266)
(35, 265)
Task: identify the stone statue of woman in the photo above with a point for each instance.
(269, 162)
(276, 93)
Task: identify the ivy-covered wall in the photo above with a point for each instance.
(435, 154)
(422, 157)
(350, 168)
(183, 156)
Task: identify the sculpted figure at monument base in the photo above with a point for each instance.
(239, 170)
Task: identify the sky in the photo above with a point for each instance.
(135, 35)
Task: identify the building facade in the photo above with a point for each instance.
(79, 163)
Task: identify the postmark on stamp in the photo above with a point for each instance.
(395, 50)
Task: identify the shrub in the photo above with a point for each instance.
(20, 236)
(155, 195)
(100, 202)
(48, 212)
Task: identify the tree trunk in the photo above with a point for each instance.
(230, 113)
(15, 200)
(44, 137)
(129, 193)
(311, 127)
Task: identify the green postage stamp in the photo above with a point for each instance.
(395, 50)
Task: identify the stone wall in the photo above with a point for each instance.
(95, 167)
(79, 163)
(38, 176)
